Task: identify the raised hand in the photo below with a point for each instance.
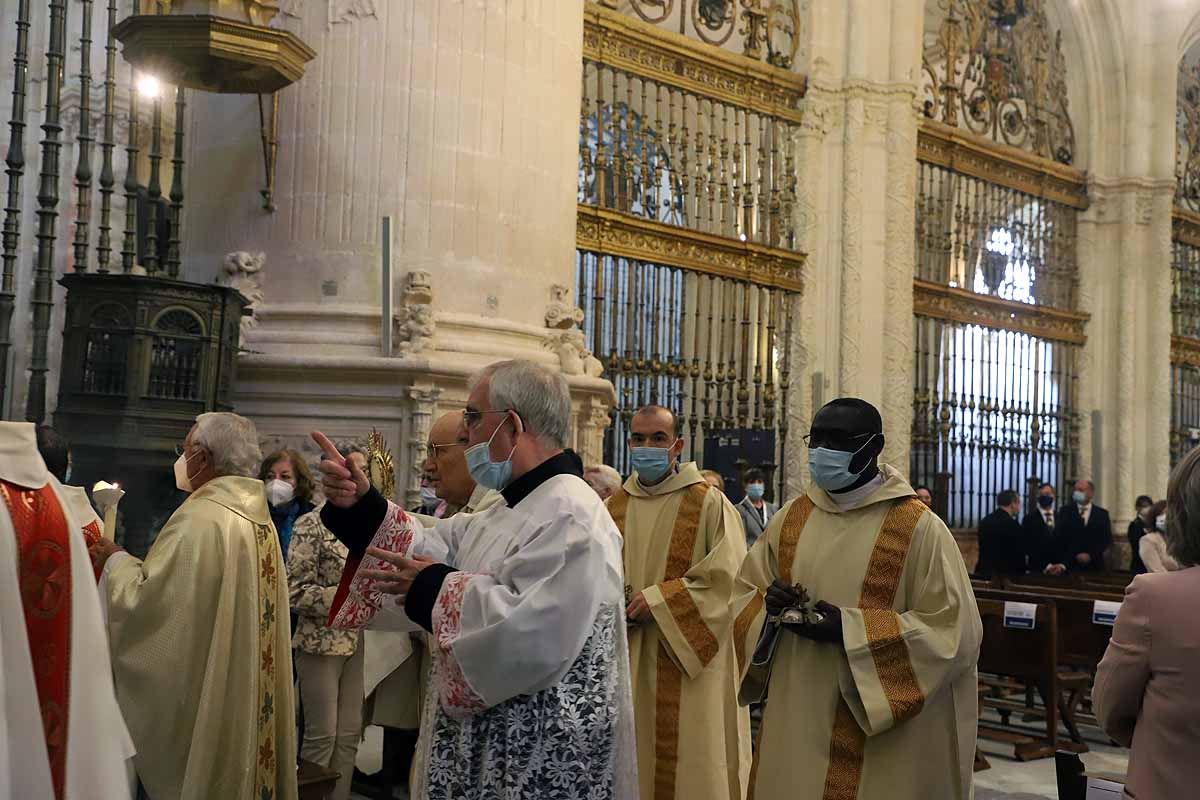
(341, 479)
(395, 581)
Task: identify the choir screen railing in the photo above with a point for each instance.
(686, 267)
(1185, 330)
(996, 339)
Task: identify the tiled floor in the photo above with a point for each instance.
(1008, 779)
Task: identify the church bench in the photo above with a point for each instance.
(1029, 656)
(1081, 644)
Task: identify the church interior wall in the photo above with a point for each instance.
(465, 131)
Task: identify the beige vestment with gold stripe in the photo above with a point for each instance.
(892, 713)
(201, 651)
(683, 544)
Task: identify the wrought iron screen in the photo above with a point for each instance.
(992, 240)
(707, 347)
(1185, 341)
(993, 410)
(106, 352)
(177, 356)
(686, 268)
(996, 342)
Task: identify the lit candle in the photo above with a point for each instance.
(107, 495)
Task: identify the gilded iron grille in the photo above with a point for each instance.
(177, 356)
(1185, 410)
(993, 240)
(767, 31)
(996, 338)
(1185, 294)
(708, 347)
(1185, 343)
(993, 410)
(674, 156)
(685, 245)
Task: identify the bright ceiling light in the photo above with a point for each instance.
(148, 86)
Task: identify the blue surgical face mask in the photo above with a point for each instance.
(1079, 497)
(487, 473)
(755, 491)
(650, 463)
(830, 469)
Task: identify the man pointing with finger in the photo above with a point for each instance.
(876, 696)
(524, 601)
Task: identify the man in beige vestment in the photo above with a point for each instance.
(683, 544)
(199, 632)
(877, 699)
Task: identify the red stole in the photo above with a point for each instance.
(92, 535)
(44, 572)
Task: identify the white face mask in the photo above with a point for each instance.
(1160, 522)
(280, 493)
(182, 482)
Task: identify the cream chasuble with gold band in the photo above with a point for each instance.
(892, 713)
(202, 651)
(682, 546)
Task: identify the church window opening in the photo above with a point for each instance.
(177, 356)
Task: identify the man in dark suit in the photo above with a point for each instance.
(1085, 530)
(1001, 541)
(1043, 548)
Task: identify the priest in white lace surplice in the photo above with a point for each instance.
(530, 690)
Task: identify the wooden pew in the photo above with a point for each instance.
(1080, 646)
(1030, 656)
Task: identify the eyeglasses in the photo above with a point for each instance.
(471, 417)
(835, 440)
(431, 450)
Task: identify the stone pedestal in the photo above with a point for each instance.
(460, 121)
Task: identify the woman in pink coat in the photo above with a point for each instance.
(1145, 693)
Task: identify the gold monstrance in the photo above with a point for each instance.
(380, 468)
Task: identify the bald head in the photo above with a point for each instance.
(446, 429)
(445, 464)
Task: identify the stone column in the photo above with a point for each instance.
(457, 119)
(857, 152)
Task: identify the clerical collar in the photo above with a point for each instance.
(565, 463)
(845, 501)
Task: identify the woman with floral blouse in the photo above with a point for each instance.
(329, 663)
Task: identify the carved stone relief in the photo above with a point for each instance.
(414, 323)
(565, 338)
(243, 271)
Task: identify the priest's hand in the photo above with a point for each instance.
(342, 482)
(103, 550)
(395, 581)
(638, 610)
(1055, 569)
(829, 629)
(1083, 559)
(781, 595)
